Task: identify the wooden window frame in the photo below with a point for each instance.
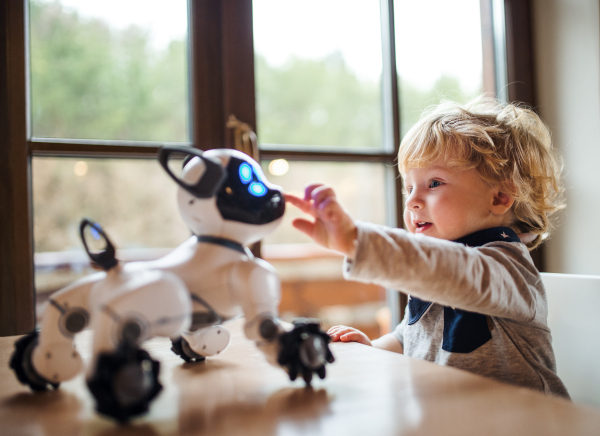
(221, 84)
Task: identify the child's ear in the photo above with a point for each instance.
(501, 202)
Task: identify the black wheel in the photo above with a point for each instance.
(20, 362)
(181, 347)
(125, 382)
(305, 350)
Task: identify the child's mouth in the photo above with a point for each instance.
(422, 226)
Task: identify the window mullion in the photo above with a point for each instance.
(395, 301)
(222, 76)
(206, 75)
(391, 111)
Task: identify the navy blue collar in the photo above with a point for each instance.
(223, 242)
(486, 236)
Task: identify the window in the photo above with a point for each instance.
(321, 92)
(116, 71)
(430, 70)
(295, 107)
(97, 75)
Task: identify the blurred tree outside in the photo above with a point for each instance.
(133, 200)
(316, 102)
(91, 81)
(414, 100)
(322, 102)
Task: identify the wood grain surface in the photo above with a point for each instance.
(366, 392)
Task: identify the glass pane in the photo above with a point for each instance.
(318, 72)
(114, 70)
(133, 200)
(312, 282)
(438, 54)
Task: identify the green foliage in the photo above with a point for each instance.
(322, 102)
(413, 100)
(90, 81)
(316, 102)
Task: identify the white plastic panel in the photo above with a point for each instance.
(574, 318)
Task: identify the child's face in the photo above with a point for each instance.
(448, 203)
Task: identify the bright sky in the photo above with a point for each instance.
(166, 20)
(316, 28)
(432, 36)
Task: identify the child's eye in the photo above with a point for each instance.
(407, 190)
(435, 184)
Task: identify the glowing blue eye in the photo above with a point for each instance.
(94, 232)
(245, 173)
(257, 189)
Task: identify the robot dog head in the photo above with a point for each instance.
(224, 193)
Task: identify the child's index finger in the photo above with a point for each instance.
(308, 190)
(301, 204)
(295, 200)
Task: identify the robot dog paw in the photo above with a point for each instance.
(204, 342)
(125, 382)
(305, 350)
(181, 347)
(21, 363)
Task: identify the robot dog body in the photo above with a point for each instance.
(212, 277)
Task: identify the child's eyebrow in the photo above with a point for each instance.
(432, 172)
(438, 171)
(444, 169)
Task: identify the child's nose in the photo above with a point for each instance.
(414, 200)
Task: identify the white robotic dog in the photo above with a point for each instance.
(187, 295)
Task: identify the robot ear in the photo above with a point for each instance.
(186, 159)
(97, 245)
(213, 177)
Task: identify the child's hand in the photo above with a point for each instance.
(341, 333)
(333, 226)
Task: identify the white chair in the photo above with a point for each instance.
(574, 318)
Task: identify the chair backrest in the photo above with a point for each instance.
(574, 319)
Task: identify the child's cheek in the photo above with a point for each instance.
(408, 221)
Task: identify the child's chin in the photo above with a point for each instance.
(433, 234)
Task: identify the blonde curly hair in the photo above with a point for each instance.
(508, 144)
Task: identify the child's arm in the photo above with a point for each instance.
(333, 227)
(342, 333)
(389, 342)
(497, 279)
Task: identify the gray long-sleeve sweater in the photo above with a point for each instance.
(478, 308)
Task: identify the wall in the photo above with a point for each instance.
(566, 36)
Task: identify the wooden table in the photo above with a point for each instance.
(366, 392)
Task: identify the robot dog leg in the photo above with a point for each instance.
(126, 305)
(301, 348)
(43, 359)
(129, 309)
(130, 306)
